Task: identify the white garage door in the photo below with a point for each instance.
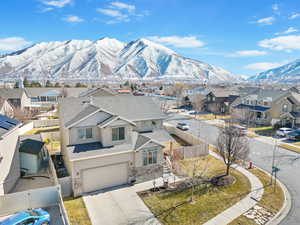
(103, 177)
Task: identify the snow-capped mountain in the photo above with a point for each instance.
(286, 73)
(108, 59)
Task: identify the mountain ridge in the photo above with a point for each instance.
(108, 58)
(289, 72)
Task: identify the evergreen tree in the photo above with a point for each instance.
(26, 83)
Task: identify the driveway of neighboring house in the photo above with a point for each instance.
(120, 206)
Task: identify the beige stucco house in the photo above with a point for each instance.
(268, 107)
(111, 140)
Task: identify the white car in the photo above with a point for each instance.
(282, 132)
(182, 126)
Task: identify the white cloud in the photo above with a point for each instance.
(57, 3)
(266, 21)
(46, 9)
(121, 5)
(73, 19)
(262, 66)
(286, 43)
(294, 16)
(288, 31)
(13, 43)
(275, 8)
(247, 53)
(116, 14)
(121, 12)
(177, 41)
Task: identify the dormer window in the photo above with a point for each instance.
(284, 108)
(118, 133)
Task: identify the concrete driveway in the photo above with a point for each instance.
(119, 206)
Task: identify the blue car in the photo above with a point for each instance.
(30, 217)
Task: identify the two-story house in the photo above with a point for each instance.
(270, 107)
(111, 140)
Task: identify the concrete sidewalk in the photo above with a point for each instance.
(245, 204)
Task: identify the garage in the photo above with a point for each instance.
(103, 177)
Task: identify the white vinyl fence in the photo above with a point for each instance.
(35, 198)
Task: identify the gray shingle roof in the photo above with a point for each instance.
(86, 111)
(11, 93)
(133, 108)
(98, 92)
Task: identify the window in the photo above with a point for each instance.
(149, 157)
(118, 133)
(265, 103)
(85, 133)
(43, 99)
(284, 108)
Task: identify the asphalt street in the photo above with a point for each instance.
(261, 154)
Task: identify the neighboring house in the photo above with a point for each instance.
(48, 97)
(98, 92)
(270, 107)
(5, 108)
(16, 97)
(219, 100)
(112, 140)
(33, 154)
(9, 155)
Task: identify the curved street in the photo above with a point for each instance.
(261, 154)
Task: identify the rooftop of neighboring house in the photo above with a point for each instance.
(132, 108)
(31, 144)
(270, 94)
(52, 91)
(7, 124)
(11, 93)
(2, 101)
(98, 92)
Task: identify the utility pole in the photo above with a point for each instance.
(274, 168)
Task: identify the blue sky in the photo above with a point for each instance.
(242, 36)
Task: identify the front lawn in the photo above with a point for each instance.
(264, 131)
(77, 212)
(272, 201)
(210, 200)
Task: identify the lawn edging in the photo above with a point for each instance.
(285, 209)
(290, 147)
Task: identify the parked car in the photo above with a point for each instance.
(282, 132)
(294, 135)
(240, 129)
(182, 126)
(30, 217)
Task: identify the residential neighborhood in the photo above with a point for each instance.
(74, 150)
(142, 112)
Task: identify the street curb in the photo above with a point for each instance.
(285, 209)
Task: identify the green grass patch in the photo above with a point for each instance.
(209, 200)
(77, 212)
(264, 131)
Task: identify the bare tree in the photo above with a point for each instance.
(198, 102)
(232, 146)
(64, 92)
